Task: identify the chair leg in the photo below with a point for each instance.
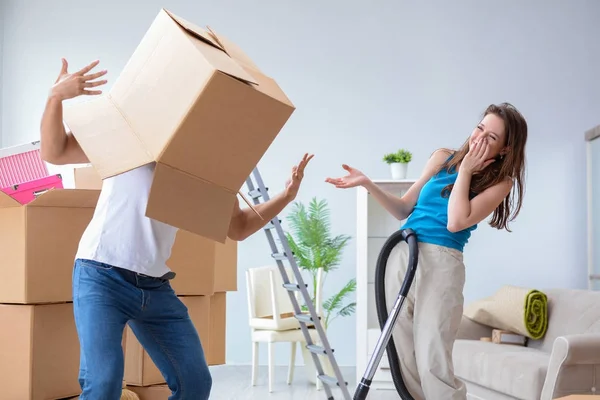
(254, 362)
(319, 383)
(271, 364)
(292, 363)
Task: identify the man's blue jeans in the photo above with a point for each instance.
(105, 298)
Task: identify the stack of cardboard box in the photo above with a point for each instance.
(193, 104)
(39, 347)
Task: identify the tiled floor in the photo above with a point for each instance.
(233, 383)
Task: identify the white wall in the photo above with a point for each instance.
(384, 73)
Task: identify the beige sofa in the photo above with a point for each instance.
(566, 361)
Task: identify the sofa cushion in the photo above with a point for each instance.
(513, 370)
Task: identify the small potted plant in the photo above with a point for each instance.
(398, 162)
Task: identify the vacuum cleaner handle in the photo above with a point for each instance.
(413, 259)
(387, 323)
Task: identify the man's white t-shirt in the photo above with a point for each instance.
(120, 234)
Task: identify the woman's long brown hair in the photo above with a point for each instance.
(511, 165)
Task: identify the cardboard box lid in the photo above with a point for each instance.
(72, 198)
(221, 64)
(233, 50)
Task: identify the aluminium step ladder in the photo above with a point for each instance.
(256, 192)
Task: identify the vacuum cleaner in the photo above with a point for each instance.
(387, 323)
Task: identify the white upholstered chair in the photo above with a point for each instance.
(271, 317)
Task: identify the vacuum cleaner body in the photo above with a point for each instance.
(387, 323)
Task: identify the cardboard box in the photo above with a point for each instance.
(38, 244)
(216, 349)
(87, 178)
(500, 336)
(156, 392)
(190, 101)
(226, 258)
(207, 314)
(202, 265)
(40, 352)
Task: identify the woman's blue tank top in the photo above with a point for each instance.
(429, 219)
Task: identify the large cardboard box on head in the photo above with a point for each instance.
(39, 352)
(191, 102)
(38, 244)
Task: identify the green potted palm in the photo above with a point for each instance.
(318, 252)
(398, 163)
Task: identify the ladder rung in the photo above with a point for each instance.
(279, 256)
(255, 194)
(270, 225)
(330, 380)
(313, 348)
(304, 318)
(293, 286)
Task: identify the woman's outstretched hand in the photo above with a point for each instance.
(353, 179)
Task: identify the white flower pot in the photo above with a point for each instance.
(399, 170)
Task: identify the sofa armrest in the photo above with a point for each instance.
(471, 330)
(574, 365)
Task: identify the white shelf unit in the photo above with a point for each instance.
(592, 138)
(374, 225)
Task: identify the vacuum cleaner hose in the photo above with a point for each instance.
(402, 235)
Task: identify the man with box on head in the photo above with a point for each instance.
(120, 274)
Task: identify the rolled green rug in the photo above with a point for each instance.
(516, 309)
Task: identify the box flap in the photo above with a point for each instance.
(190, 203)
(106, 137)
(221, 61)
(233, 50)
(194, 30)
(72, 198)
(227, 65)
(7, 201)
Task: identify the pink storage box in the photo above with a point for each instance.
(26, 192)
(23, 173)
(22, 163)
